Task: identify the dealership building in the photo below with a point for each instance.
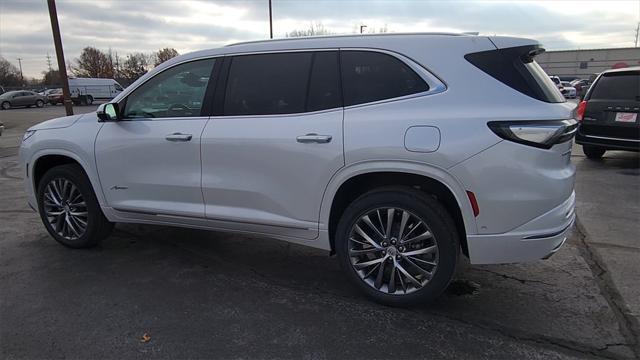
(583, 63)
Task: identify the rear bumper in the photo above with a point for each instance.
(537, 239)
(608, 142)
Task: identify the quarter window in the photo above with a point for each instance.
(369, 76)
(176, 92)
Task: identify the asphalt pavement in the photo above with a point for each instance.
(161, 292)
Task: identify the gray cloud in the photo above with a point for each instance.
(146, 25)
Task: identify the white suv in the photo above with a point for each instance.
(396, 152)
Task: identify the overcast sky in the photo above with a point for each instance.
(147, 25)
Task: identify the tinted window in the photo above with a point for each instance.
(371, 76)
(516, 68)
(175, 92)
(267, 84)
(618, 86)
(118, 87)
(324, 84)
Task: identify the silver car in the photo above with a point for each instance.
(398, 153)
(21, 98)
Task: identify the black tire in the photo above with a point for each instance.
(39, 103)
(89, 100)
(5, 105)
(428, 210)
(593, 152)
(97, 228)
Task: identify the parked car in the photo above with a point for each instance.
(347, 144)
(556, 80)
(570, 91)
(21, 98)
(608, 114)
(86, 90)
(55, 97)
(581, 87)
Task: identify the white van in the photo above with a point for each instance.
(86, 90)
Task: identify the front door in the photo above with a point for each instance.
(269, 155)
(149, 162)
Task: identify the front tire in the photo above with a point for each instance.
(398, 245)
(593, 152)
(69, 209)
(39, 103)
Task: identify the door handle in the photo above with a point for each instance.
(178, 137)
(314, 138)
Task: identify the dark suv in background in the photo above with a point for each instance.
(608, 114)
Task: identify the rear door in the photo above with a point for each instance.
(275, 143)
(613, 106)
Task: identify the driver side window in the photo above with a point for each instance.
(175, 92)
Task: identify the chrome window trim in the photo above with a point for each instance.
(436, 85)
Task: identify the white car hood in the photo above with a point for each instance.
(57, 123)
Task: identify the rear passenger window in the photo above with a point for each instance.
(371, 76)
(268, 84)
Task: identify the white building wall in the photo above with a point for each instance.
(583, 63)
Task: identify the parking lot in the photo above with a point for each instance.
(197, 294)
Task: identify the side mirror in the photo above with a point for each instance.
(108, 112)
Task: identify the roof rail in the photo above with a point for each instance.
(348, 36)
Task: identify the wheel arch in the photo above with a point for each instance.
(44, 160)
(355, 180)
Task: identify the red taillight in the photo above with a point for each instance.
(474, 203)
(582, 107)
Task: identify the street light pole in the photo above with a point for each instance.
(20, 64)
(62, 69)
(270, 22)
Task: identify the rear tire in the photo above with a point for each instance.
(69, 209)
(593, 152)
(6, 105)
(89, 100)
(417, 211)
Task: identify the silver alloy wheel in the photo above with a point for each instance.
(393, 250)
(65, 208)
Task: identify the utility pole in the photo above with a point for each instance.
(270, 22)
(20, 64)
(62, 69)
(49, 61)
(362, 28)
(637, 33)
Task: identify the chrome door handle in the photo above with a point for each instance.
(178, 137)
(314, 138)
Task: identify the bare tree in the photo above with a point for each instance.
(314, 29)
(163, 55)
(9, 74)
(93, 63)
(51, 77)
(134, 66)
